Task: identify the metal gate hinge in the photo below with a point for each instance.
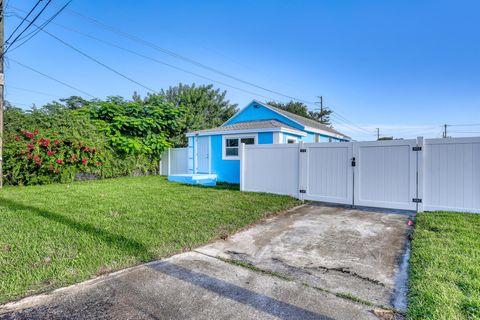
(417, 148)
(303, 150)
(417, 200)
(303, 191)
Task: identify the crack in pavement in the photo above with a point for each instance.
(343, 270)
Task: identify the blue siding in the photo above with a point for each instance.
(229, 170)
(310, 138)
(226, 170)
(250, 113)
(265, 138)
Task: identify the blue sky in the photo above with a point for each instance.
(405, 66)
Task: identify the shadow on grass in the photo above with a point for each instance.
(129, 246)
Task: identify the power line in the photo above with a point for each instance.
(26, 28)
(35, 32)
(464, 125)
(98, 61)
(33, 91)
(51, 78)
(171, 53)
(23, 20)
(181, 57)
(190, 60)
(351, 123)
(156, 60)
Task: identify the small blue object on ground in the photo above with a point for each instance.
(209, 180)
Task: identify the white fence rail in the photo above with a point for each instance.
(174, 161)
(430, 174)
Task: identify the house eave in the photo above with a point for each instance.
(327, 133)
(275, 129)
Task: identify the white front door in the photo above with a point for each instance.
(203, 156)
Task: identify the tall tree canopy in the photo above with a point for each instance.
(322, 116)
(203, 107)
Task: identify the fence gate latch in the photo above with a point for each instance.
(303, 150)
(354, 162)
(303, 191)
(417, 148)
(417, 200)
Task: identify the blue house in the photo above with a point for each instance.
(213, 154)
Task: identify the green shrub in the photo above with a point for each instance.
(104, 139)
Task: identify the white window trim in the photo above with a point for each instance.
(243, 136)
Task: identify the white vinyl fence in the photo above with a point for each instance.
(174, 161)
(417, 174)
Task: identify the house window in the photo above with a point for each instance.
(291, 140)
(232, 144)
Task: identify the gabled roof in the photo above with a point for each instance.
(250, 125)
(306, 123)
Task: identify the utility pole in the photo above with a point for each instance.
(2, 87)
(378, 134)
(321, 109)
(445, 130)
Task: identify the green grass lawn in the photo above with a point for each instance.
(55, 235)
(445, 267)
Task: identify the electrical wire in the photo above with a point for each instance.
(98, 61)
(51, 78)
(23, 20)
(464, 125)
(32, 34)
(181, 57)
(26, 28)
(157, 61)
(33, 91)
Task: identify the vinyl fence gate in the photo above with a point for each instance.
(386, 174)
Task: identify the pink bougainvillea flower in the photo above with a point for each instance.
(30, 146)
(84, 161)
(35, 131)
(56, 142)
(59, 161)
(30, 156)
(22, 153)
(50, 153)
(17, 138)
(94, 149)
(86, 149)
(36, 158)
(28, 134)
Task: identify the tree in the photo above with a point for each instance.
(203, 107)
(136, 128)
(301, 109)
(298, 108)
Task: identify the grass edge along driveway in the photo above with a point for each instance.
(445, 267)
(56, 235)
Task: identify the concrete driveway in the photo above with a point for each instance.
(313, 262)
